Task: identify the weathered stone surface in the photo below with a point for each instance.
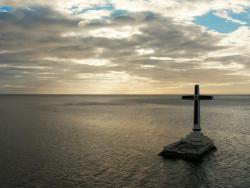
(192, 147)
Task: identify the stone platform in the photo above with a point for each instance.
(192, 147)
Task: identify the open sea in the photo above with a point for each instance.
(86, 141)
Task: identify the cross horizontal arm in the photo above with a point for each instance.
(206, 97)
(188, 97)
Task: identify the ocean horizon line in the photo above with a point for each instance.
(60, 94)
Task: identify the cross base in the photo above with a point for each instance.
(192, 147)
(197, 138)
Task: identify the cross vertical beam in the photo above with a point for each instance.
(197, 97)
(197, 126)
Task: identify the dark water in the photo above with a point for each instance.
(113, 141)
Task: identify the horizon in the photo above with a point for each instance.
(121, 47)
(180, 94)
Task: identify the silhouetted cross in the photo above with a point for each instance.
(197, 97)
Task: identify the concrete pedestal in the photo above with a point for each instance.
(192, 147)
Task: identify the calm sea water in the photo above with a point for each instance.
(113, 141)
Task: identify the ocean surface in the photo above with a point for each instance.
(112, 141)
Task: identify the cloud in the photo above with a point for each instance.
(226, 15)
(136, 47)
(91, 62)
(171, 8)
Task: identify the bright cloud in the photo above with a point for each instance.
(219, 65)
(123, 32)
(91, 62)
(145, 51)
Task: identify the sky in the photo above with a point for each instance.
(124, 46)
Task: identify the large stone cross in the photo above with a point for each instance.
(195, 144)
(197, 97)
